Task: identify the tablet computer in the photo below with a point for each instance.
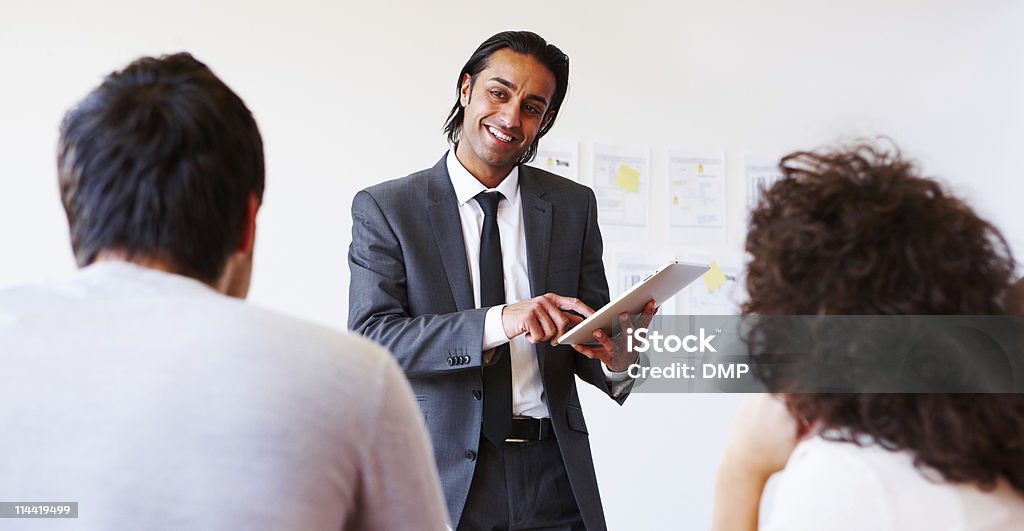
(660, 285)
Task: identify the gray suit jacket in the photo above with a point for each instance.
(411, 292)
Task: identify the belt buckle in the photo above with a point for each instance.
(518, 440)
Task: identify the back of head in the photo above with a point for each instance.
(526, 43)
(857, 232)
(158, 162)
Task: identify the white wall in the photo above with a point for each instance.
(349, 94)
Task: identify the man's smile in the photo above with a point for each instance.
(503, 137)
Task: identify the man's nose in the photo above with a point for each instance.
(509, 115)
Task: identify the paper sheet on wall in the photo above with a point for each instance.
(719, 291)
(696, 197)
(559, 156)
(761, 172)
(631, 269)
(621, 183)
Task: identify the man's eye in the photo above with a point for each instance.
(532, 109)
(497, 94)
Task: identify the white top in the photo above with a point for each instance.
(842, 486)
(157, 403)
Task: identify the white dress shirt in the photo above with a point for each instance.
(527, 387)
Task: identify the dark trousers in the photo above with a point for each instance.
(520, 486)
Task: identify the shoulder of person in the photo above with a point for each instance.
(304, 340)
(828, 485)
(413, 187)
(554, 183)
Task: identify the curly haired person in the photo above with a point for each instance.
(857, 232)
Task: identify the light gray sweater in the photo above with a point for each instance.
(157, 403)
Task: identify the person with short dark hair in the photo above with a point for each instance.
(144, 390)
(467, 272)
(857, 232)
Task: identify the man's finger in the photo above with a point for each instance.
(574, 304)
(647, 316)
(586, 351)
(548, 326)
(573, 319)
(533, 329)
(604, 340)
(624, 322)
(561, 321)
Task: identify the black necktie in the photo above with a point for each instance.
(497, 375)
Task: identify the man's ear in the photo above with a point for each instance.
(465, 92)
(248, 239)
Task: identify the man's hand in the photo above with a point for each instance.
(613, 352)
(543, 318)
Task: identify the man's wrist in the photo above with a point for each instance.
(618, 376)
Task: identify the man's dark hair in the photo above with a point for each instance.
(857, 232)
(158, 162)
(526, 43)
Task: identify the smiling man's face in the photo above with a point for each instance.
(506, 105)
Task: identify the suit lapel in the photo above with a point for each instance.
(443, 211)
(537, 224)
(537, 215)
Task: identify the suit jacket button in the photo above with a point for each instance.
(477, 395)
(465, 360)
(470, 455)
(451, 361)
(468, 358)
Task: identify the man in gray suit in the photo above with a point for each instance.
(467, 271)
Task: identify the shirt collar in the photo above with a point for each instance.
(467, 187)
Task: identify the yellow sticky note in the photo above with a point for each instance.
(714, 277)
(627, 178)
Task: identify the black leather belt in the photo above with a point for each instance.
(526, 429)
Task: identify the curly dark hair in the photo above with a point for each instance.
(855, 231)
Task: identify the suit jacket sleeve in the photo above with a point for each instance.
(593, 290)
(423, 345)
